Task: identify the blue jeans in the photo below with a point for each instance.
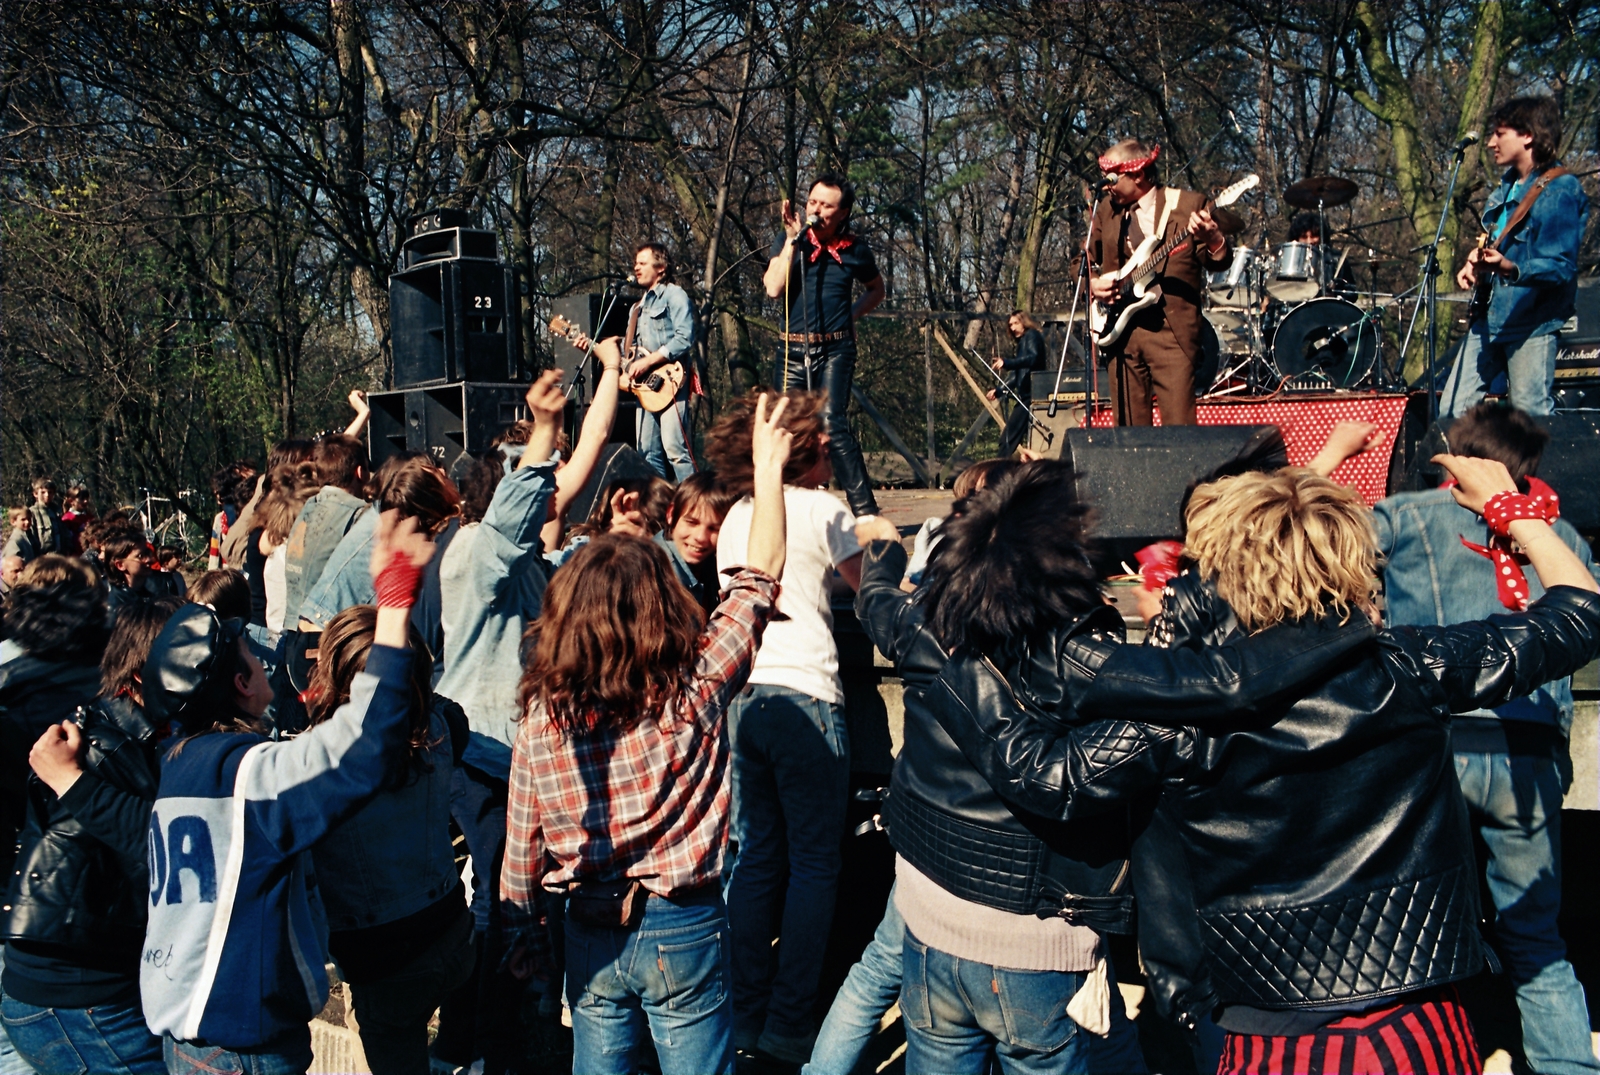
(1529, 366)
(873, 985)
(66, 1041)
(10, 1062)
(670, 976)
(1515, 803)
(664, 439)
(191, 1058)
(791, 777)
(958, 1013)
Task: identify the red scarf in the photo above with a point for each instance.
(1502, 509)
(838, 243)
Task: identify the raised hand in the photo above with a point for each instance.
(545, 400)
(792, 222)
(770, 442)
(1476, 479)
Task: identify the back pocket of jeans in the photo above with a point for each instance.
(39, 1036)
(693, 974)
(914, 1007)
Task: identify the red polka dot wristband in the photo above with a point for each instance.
(1499, 512)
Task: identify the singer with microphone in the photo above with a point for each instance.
(1534, 222)
(815, 265)
(1158, 353)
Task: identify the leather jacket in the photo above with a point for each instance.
(81, 877)
(941, 814)
(1309, 849)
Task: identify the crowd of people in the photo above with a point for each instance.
(624, 696)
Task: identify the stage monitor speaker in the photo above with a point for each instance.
(446, 421)
(455, 320)
(1137, 478)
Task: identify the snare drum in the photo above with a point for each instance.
(1294, 274)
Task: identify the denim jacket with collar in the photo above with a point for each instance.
(666, 320)
(316, 532)
(1544, 247)
(1431, 579)
(392, 858)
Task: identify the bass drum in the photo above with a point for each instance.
(1326, 336)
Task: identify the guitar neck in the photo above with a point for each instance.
(1150, 263)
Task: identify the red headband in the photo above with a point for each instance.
(1138, 164)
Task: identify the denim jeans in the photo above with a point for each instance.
(10, 1062)
(392, 1013)
(873, 985)
(664, 439)
(66, 1041)
(1529, 366)
(668, 976)
(290, 1057)
(958, 1013)
(1515, 803)
(791, 777)
(480, 1019)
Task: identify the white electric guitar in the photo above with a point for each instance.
(1108, 321)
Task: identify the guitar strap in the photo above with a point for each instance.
(627, 340)
(1525, 206)
(1169, 201)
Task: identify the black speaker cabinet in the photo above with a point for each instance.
(446, 421)
(1136, 478)
(596, 315)
(454, 320)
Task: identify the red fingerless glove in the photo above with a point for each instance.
(1158, 563)
(397, 583)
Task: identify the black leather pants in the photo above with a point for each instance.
(832, 373)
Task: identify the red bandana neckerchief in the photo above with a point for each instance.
(1499, 512)
(1138, 164)
(838, 243)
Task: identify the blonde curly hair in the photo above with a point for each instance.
(1284, 545)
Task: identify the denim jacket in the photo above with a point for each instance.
(316, 532)
(392, 857)
(346, 578)
(499, 588)
(1431, 579)
(1544, 247)
(666, 320)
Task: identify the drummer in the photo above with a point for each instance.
(1306, 227)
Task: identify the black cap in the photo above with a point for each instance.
(189, 656)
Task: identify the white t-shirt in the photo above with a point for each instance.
(277, 587)
(798, 652)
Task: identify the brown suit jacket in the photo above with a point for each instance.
(1182, 279)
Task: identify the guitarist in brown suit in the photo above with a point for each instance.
(1159, 349)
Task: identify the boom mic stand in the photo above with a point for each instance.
(1078, 288)
(1429, 296)
(1016, 399)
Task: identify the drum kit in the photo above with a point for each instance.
(1292, 318)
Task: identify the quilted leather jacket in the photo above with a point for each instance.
(81, 876)
(946, 819)
(1310, 849)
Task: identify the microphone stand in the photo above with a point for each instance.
(1430, 294)
(1078, 287)
(1016, 399)
(614, 292)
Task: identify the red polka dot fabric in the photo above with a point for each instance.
(1306, 423)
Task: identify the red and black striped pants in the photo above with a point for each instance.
(1433, 1037)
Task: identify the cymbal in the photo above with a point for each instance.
(1325, 190)
(1230, 222)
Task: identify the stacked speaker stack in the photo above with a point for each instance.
(459, 376)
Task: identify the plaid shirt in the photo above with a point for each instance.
(648, 802)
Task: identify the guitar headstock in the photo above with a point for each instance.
(560, 326)
(1234, 191)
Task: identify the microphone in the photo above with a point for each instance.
(1471, 139)
(630, 279)
(812, 220)
(1339, 337)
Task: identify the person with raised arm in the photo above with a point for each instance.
(619, 784)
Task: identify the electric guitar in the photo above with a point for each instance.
(1483, 290)
(1108, 321)
(658, 388)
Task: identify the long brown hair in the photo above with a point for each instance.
(292, 485)
(342, 651)
(728, 443)
(617, 640)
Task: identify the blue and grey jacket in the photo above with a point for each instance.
(1544, 247)
(235, 950)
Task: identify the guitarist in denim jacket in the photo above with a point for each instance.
(1159, 350)
(1531, 266)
